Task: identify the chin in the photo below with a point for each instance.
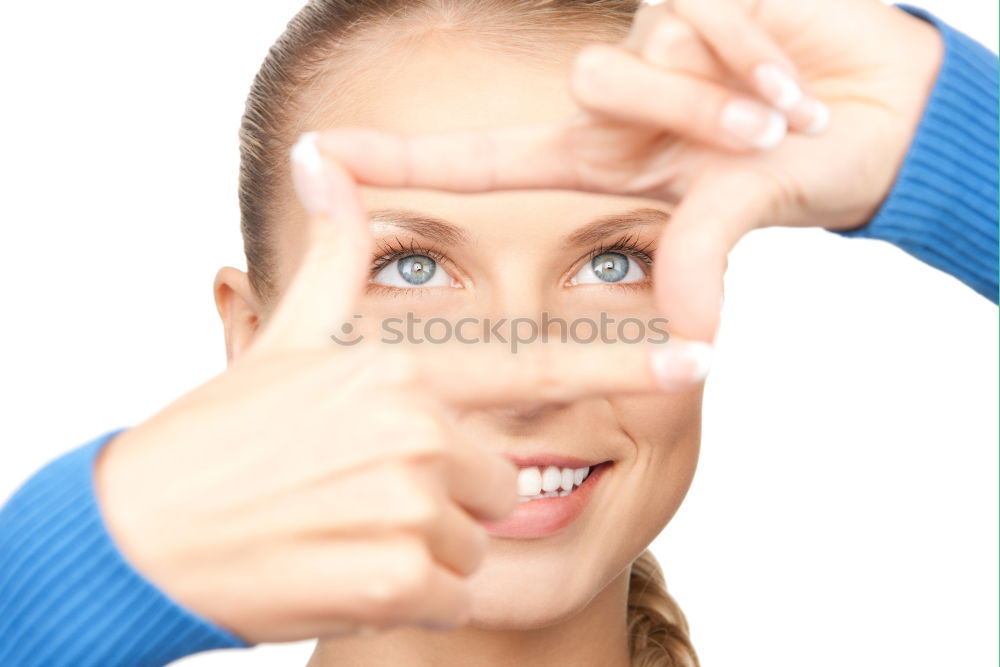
(530, 584)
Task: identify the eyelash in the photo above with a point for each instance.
(626, 245)
(389, 251)
(630, 246)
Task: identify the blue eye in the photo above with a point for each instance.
(416, 269)
(413, 271)
(610, 267)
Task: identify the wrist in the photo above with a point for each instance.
(122, 493)
(942, 205)
(919, 52)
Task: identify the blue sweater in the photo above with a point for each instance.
(69, 597)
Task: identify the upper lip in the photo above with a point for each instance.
(557, 460)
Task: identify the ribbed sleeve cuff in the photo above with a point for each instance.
(67, 595)
(942, 208)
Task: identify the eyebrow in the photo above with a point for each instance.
(607, 225)
(446, 233)
(439, 231)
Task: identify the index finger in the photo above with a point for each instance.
(522, 157)
(333, 271)
(489, 374)
(748, 50)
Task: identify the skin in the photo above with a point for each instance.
(241, 499)
(650, 124)
(528, 607)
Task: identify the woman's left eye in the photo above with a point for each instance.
(610, 267)
(413, 271)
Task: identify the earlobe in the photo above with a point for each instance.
(239, 309)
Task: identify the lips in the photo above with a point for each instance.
(545, 460)
(546, 516)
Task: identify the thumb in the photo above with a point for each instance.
(692, 254)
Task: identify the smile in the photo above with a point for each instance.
(534, 483)
(550, 498)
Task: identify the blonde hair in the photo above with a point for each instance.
(326, 43)
(657, 628)
(326, 34)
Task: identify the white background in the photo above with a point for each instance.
(845, 507)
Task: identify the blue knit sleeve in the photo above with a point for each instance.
(68, 596)
(942, 209)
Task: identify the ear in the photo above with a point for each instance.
(239, 309)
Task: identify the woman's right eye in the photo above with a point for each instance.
(413, 271)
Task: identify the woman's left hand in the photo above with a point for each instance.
(684, 110)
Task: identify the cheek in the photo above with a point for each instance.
(666, 431)
(649, 487)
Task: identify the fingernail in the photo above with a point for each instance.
(777, 86)
(308, 175)
(678, 365)
(754, 124)
(820, 113)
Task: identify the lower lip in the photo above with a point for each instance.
(545, 516)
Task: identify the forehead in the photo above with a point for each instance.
(448, 83)
(452, 84)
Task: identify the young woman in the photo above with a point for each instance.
(317, 489)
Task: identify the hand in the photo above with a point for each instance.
(312, 489)
(652, 123)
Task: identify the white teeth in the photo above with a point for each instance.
(567, 479)
(551, 478)
(534, 483)
(529, 482)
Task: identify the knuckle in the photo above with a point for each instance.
(401, 423)
(408, 575)
(403, 572)
(404, 508)
(417, 512)
(397, 368)
(483, 150)
(541, 376)
(591, 78)
(400, 485)
(363, 359)
(422, 437)
(666, 36)
(687, 8)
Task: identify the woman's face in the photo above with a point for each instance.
(519, 254)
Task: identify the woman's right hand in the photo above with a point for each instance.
(312, 489)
